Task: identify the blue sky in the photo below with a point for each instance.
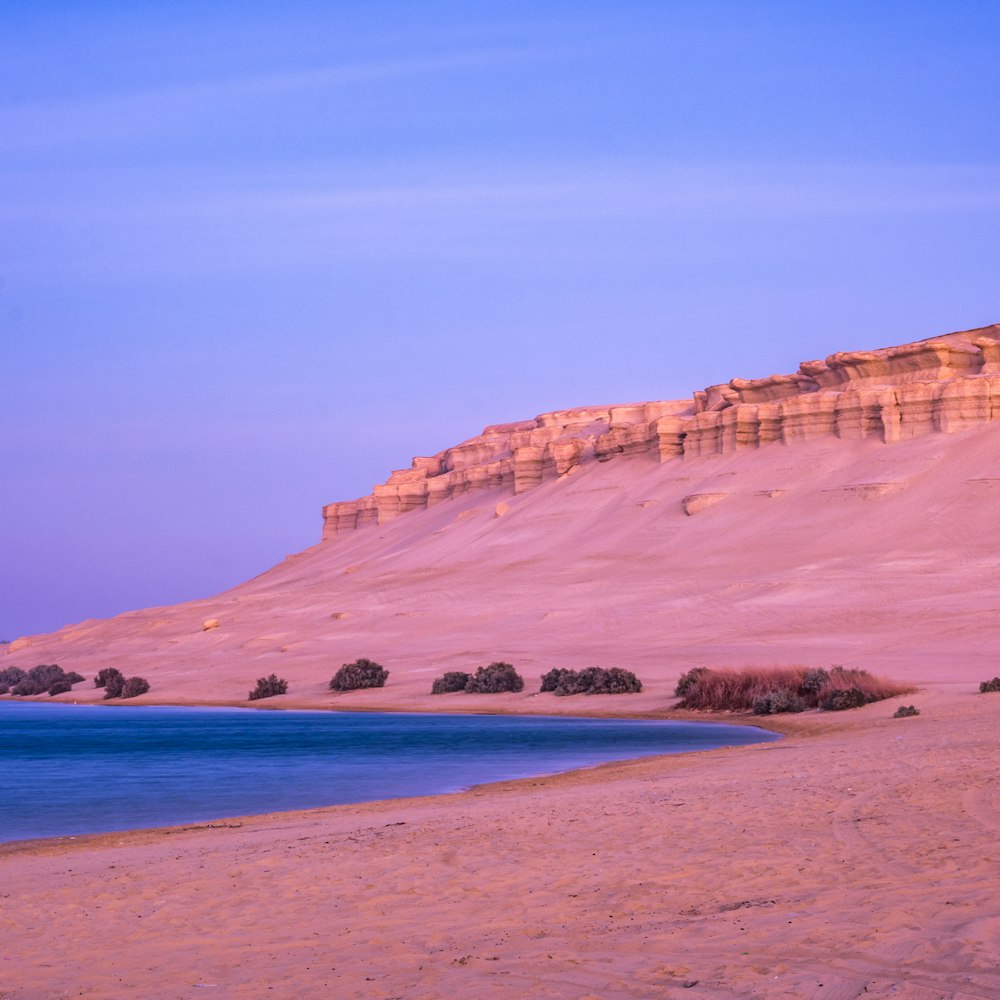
(254, 256)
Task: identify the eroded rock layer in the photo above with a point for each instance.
(943, 385)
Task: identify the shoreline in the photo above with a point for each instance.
(745, 721)
(858, 854)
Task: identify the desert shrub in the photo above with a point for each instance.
(744, 690)
(453, 680)
(617, 680)
(986, 686)
(777, 701)
(102, 677)
(26, 688)
(905, 711)
(134, 686)
(60, 687)
(73, 677)
(552, 678)
(268, 687)
(813, 681)
(46, 674)
(361, 673)
(4, 688)
(114, 684)
(10, 676)
(689, 681)
(594, 680)
(839, 699)
(495, 679)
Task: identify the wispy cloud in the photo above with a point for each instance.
(556, 213)
(54, 123)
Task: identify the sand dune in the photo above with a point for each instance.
(844, 514)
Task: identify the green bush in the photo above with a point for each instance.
(987, 686)
(452, 680)
(361, 673)
(496, 678)
(689, 681)
(114, 684)
(101, 679)
(38, 680)
(268, 687)
(10, 676)
(134, 686)
(552, 679)
(905, 711)
(591, 680)
(779, 700)
(60, 687)
(839, 699)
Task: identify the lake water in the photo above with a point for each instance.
(72, 769)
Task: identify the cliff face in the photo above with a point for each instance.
(943, 385)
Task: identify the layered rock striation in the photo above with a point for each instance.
(942, 385)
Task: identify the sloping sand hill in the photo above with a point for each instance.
(845, 514)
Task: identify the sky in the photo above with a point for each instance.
(254, 256)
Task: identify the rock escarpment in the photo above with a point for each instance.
(942, 385)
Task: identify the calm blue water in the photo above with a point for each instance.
(70, 769)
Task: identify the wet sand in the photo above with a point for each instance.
(856, 857)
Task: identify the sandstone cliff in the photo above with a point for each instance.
(942, 385)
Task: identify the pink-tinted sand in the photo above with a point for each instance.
(855, 858)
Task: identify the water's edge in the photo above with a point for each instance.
(167, 766)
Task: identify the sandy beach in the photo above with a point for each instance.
(856, 857)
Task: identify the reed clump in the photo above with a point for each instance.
(774, 690)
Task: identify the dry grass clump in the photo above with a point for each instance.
(771, 690)
(906, 711)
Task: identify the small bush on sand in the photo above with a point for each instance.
(453, 680)
(552, 678)
(783, 689)
(135, 686)
(60, 687)
(10, 676)
(38, 680)
(101, 679)
(986, 686)
(268, 687)
(592, 680)
(496, 678)
(689, 681)
(905, 711)
(777, 701)
(361, 673)
(114, 684)
(839, 699)
(813, 681)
